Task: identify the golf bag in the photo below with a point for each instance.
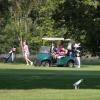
(7, 57)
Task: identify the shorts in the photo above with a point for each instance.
(26, 54)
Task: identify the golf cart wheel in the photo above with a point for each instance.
(70, 64)
(37, 62)
(45, 63)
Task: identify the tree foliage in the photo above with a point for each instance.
(34, 19)
(81, 21)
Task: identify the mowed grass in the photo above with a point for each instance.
(21, 82)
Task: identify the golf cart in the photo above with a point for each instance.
(45, 58)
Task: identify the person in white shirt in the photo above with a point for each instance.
(77, 52)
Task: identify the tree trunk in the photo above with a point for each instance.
(21, 44)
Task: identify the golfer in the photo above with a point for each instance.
(76, 46)
(26, 53)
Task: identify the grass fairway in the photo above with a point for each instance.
(21, 82)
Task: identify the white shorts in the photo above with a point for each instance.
(26, 54)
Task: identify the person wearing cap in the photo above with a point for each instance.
(77, 54)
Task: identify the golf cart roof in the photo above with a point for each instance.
(67, 39)
(52, 39)
(55, 39)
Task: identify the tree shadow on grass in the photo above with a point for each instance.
(49, 79)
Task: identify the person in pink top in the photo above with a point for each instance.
(26, 53)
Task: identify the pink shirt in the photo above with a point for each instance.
(26, 49)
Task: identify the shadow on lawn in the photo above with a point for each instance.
(50, 79)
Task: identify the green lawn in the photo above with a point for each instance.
(21, 82)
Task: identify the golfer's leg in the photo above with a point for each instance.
(26, 59)
(29, 61)
(78, 60)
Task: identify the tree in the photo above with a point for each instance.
(4, 13)
(45, 22)
(20, 24)
(34, 19)
(80, 21)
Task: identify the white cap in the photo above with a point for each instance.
(77, 45)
